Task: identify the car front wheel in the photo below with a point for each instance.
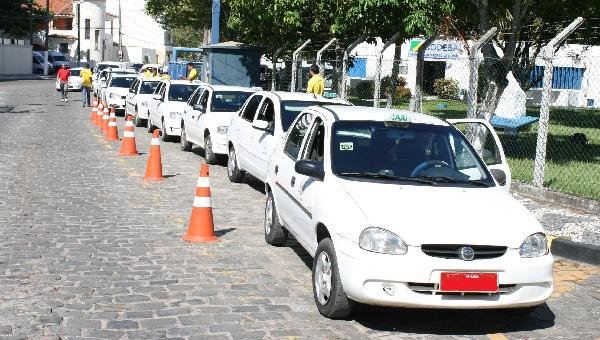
(163, 132)
(233, 171)
(330, 298)
(184, 144)
(275, 233)
(209, 155)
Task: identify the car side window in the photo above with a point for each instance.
(133, 86)
(204, 98)
(267, 113)
(296, 135)
(163, 90)
(250, 109)
(315, 145)
(194, 97)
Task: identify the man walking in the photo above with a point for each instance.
(86, 84)
(316, 83)
(192, 73)
(62, 76)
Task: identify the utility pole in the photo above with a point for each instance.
(47, 24)
(216, 15)
(120, 40)
(78, 34)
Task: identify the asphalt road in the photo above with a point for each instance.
(88, 250)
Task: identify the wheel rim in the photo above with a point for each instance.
(231, 162)
(323, 278)
(182, 141)
(269, 215)
(207, 147)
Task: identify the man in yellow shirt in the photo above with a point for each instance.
(192, 73)
(86, 84)
(316, 83)
(148, 73)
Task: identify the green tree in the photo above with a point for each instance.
(18, 17)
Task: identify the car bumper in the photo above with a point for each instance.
(173, 126)
(119, 104)
(219, 143)
(412, 280)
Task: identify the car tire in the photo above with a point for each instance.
(149, 127)
(275, 233)
(209, 155)
(233, 171)
(330, 298)
(183, 142)
(137, 121)
(163, 132)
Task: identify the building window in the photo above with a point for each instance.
(87, 29)
(97, 40)
(563, 78)
(62, 23)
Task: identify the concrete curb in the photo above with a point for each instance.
(577, 251)
(556, 197)
(25, 77)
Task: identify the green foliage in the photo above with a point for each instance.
(446, 88)
(363, 90)
(17, 17)
(402, 95)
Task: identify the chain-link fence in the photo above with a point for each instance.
(572, 159)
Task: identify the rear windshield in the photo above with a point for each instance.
(148, 87)
(228, 101)
(122, 81)
(181, 92)
(75, 73)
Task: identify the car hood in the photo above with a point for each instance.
(422, 214)
(121, 91)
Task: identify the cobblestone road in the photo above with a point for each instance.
(88, 250)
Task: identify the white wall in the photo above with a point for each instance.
(15, 59)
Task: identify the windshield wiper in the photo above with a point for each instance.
(446, 179)
(379, 175)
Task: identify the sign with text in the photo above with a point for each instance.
(439, 49)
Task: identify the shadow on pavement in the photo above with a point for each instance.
(222, 232)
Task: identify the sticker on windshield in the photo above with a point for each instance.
(400, 117)
(346, 146)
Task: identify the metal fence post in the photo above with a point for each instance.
(320, 55)
(474, 71)
(295, 65)
(542, 137)
(377, 90)
(417, 100)
(274, 70)
(344, 87)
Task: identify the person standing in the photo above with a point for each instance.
(192, 73)
(62, 76)
(86, 84)
(316, 83)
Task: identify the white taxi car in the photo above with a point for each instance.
(166, 106)
(116, 90)
(399, 209)
(138, 99)
(264, 119)
(207, 116)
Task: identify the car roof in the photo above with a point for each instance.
(124, 75)
(109, 63)
(76, 68)
(339, 112)
(153, 79)
(184, 82)
(302, 96)
(228, 88)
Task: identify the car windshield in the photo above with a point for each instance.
(121, 81)
(75, 73)
(405, 151)
(290, 109)
(59, 58)
(181, 92)
(228, 101)
(148, 87)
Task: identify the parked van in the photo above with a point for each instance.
(37, 65)
(57, 59)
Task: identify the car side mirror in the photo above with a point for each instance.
(199, 107)
(310, 168)
(260, 124)
(499, 176)
(156, 96)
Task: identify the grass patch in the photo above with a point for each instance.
(570, 167)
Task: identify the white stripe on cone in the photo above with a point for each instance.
(202, 202)
(112, 123)
(155, 141)
(129, 123)
(203, 182)
(128, 134)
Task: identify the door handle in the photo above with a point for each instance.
(293, 181)
(276, 169)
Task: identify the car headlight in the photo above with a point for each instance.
(535, 245)
(174, 115)
(382, 241)
(222, 129)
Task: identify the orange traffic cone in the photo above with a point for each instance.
(98, 119)
(112, 133)
(154, 165)
(94, 110)
(128, 147)
(105, 117)
(201, 227)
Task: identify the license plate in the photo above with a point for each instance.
(469, 282)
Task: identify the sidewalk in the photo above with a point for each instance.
(10, 77)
